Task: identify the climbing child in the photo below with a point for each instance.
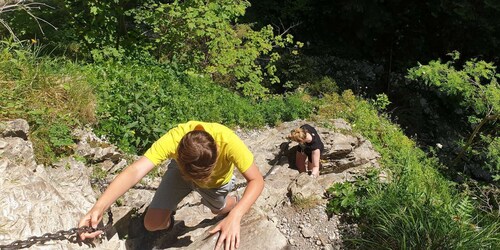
(310, 148)
(204, 156)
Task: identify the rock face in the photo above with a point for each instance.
(37, 199)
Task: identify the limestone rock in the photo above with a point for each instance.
(341, 124)
(338, 145)
(16, 128)
(42, 199)
(95, 149)
(257, 233)
(18, 151)
(305, 187)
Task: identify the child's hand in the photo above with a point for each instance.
(229, 229)
(91, 219)
(315, 174)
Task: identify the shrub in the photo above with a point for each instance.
(206, 37)
(472, 92)
(49, 93)
(418, 208)
(324, 86)
(138, 103)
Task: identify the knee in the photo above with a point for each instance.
(152, 223)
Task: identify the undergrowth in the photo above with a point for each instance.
(138, 103)
(134, 103)
(49, 93)
(417, 208)
(130, 103)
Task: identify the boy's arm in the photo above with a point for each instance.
(121, 184)
(230, 227)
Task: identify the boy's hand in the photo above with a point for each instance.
(229, 229)
(91, 219)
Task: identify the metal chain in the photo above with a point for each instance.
(72, 234)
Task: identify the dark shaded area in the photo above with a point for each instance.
(291, 157)
(138, 238)
(368, 46)
(397, 33)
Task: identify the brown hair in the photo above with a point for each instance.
(197, 155)
(298, 134)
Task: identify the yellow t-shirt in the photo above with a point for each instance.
(231, 151)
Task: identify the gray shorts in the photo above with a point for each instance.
(173, 188)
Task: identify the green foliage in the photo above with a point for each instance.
(424, 225)
(276, 109)
(493, 154)
(324, 86)
(475, 87)
(472, 90)
(50, 94)
(381, 102)
(347, 198)
(95, 26)
(139, 103)
(207, 38)
(60, 135)
(416, 207)
(201, 37)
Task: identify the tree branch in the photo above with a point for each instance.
(26, 6)
(285, 30)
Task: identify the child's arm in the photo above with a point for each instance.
(121, 184)
(230, 227)
(316, 155)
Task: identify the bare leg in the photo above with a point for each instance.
(231, 202)
(157, 219)
(300, 161)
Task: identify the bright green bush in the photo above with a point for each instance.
(321, 87)
(289, 107)
(206, 37)
(138, 103)
(200, 36)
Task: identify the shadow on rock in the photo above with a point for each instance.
(141, 239)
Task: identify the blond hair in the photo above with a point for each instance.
(298, 135)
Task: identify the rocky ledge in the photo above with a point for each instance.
(39, 199)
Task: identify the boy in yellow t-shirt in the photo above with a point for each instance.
(204, 156)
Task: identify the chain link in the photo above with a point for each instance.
(72, 234)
